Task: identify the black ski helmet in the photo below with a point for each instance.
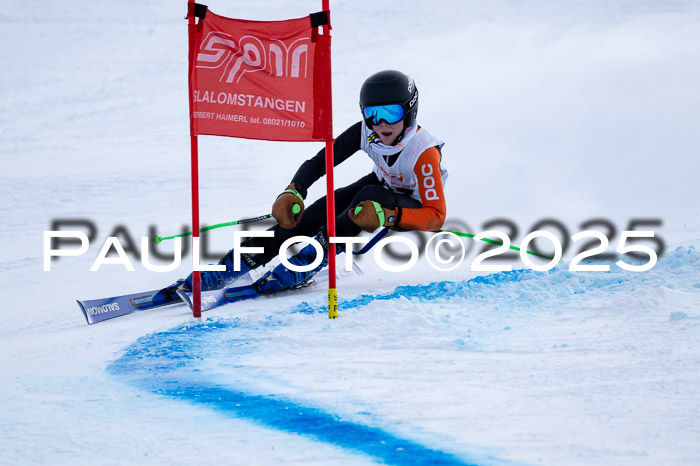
(391, 87)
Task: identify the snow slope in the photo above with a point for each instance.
(549, 109)
(574, 367)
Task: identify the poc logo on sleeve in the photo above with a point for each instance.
(429, 182)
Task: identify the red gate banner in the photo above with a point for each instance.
(261, 79)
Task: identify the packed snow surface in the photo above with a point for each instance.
(584, 113)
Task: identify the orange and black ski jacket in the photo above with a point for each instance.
(427, 170)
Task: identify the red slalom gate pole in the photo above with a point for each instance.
(196, 278)
(330, 192)
(330, 204)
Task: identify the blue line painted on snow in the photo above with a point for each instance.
(165, 363)
(528, 288)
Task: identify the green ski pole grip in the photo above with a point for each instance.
(296, 208)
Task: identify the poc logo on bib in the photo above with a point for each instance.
(429, 182)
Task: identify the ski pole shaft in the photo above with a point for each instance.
(159, 239)
(296, 208)
(498, 243)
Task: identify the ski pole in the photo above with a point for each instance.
(158, 239)
(498, 243)
(375, 239)
(384, 232)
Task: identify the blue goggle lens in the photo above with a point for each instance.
(390, 113)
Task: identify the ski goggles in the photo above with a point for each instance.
(392, 113)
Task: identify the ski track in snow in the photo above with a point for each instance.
(206, 363)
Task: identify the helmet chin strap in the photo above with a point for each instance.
(400, 136)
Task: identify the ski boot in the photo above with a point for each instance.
(281, 278)
(214, 280)
(171, 291)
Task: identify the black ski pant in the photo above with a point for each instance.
(367, 188)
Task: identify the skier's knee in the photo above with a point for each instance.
(368, 193)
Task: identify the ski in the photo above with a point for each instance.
(215, 298)
(98, 310)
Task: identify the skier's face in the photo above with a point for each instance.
(388, 133)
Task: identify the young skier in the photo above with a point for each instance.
(403, 192)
